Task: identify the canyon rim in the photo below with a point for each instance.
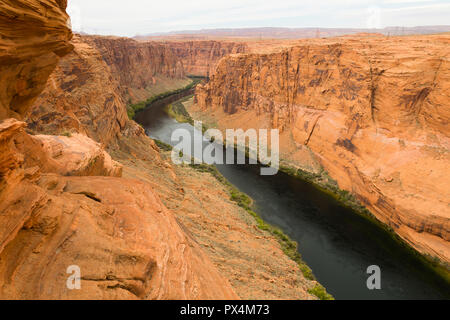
(92, 205)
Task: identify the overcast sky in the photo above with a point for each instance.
(133, 17)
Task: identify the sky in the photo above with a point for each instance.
(140, 17)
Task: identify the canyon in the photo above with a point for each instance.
(200, 58)
(368, 111)
(82, 184)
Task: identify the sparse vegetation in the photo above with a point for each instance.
(177, 111)
(162, 145)
(324, 183)
(289, 247)
(133, 108)
(196, 78)
(320, 292)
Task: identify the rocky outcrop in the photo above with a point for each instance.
(34, 34)
(76, 155)
(65, 203)
(90, 88)
(62, 200)
(373, 111)
(81, 96)
(200, 58)
(124, 240)
(137, 66)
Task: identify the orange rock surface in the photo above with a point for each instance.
(34, 34)
(372, 111)
(90, 88)
(62, 204)
(200, 58)
(137, 66)
(64, 201)
(125, 241)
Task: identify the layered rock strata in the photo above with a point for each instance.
(200, 58)
(371, 111)
(64, 202)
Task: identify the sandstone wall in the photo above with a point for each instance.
(374, 111)
(81, 96)
(62, 200)
(34, 34)
(200, 58)
(137, 65)
(90, 88)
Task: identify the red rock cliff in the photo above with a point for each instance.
(137, 65)
(374, 112)
(62, 199)
(200, 58)
(90, 88)
(34, 34)
(83, 98)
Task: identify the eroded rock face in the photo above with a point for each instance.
(34, 34)
(90, 88)
(200, 58)
(374, 111)
(76, 155)
(81, 96)
(75, 101)
(136, 65)
(62, 201)
(126, 243)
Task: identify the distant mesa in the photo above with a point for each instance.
(288, 33)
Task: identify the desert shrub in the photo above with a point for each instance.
(320, 293)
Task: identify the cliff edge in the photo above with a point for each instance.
(370, 111)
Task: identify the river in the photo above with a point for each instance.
(338, 244)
